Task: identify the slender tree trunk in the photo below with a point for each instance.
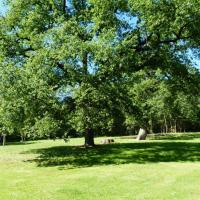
(151, 126)
(89, 138)
(175, 126)
(166, 126)
(142, 134)
(23, 137)
(179, 126)
(4, 139)
(171, 126)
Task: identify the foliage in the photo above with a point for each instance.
(46, 126)
(100, 50)
(163, 99)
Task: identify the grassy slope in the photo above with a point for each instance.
(54, 170)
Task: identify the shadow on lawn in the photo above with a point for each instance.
(150, 152)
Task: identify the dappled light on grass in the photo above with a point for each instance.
(127, 169)
(115, 154)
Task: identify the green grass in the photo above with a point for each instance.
(161, 168)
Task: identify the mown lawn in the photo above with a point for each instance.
(161, 168)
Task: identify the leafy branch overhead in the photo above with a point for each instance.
(77, 62)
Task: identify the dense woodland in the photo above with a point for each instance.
(99, 67)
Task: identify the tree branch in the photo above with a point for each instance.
(143, 44)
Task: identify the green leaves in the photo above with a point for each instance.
(45, 127)
(110, 66)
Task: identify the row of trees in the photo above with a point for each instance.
(98, 67)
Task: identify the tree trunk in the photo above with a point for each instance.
(166, 126)
(4, 139)
(89, 138)
(175, 126)
(23, 137)
(142, 134)
(151, 126)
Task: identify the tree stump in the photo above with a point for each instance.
(142, 134)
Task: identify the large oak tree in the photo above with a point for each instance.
(94, 46)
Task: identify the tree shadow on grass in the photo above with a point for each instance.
(114, 154)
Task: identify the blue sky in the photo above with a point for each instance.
(2, 7)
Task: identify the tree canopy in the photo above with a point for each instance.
(95, 65)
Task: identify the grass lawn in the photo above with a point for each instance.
(161, 168)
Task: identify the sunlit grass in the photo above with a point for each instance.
(165, 168)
